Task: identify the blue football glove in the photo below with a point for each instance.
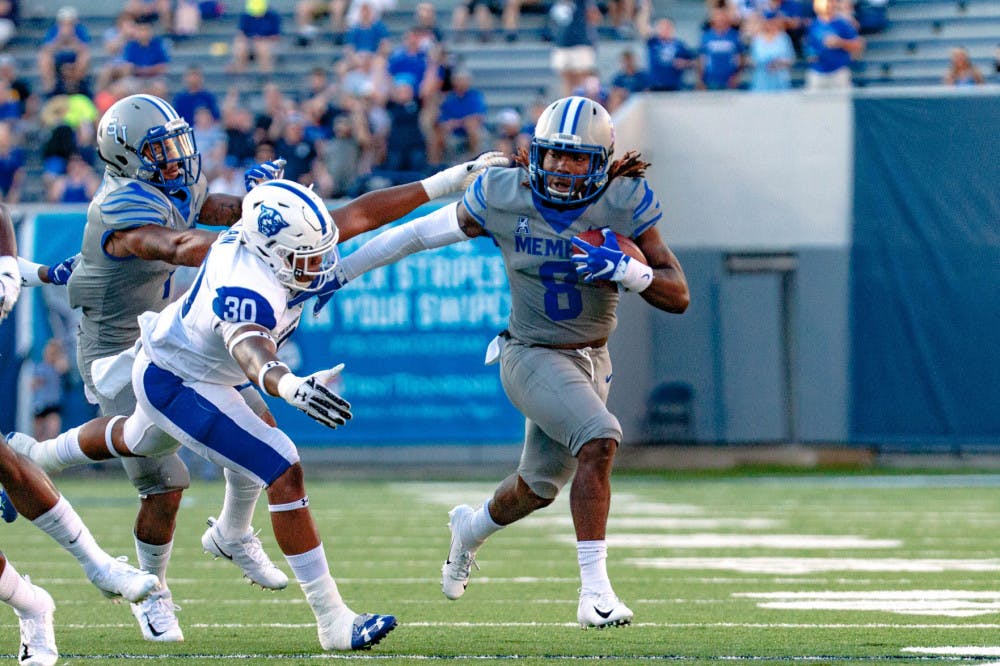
(59, 273)
(605, 262)
(264, 171)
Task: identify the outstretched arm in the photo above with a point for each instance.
(669, 289)
(220, 210)
(152, 242)
(374, 209)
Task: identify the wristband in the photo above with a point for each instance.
(270, 365)
(637, 276)
(29, 273)
(287, 386)
(437, 185)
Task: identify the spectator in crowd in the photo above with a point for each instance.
(258, 33)
(484, 13)
(295, 148)
(116, 36)
(65, 50)
(210, 139)
(406, 146)
(238, 122)
(77, 185)
(772, 55)
(195, 95)
(9, 17)
(10, 103)
(47, 381)
(592, 88)
(961, 70)
(186, 20)
(668, 56)
(410, 58)
(426, 24)
(574, 36)
(832, 43)
(720, 59)
(364, 73)
(343, 156)
(151, 11)
(147, 54)
(622, 14)
(228, 180)
(794, 13)
(18, 84)
(508, 129)
(271, 108)
(307, 12)
(12, 161)
(872, 16)
(629, 79)
(367, 33)
(462, 115)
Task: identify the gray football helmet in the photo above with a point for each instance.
(143, 137)
(572, 125)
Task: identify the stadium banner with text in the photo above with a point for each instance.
(412, 337)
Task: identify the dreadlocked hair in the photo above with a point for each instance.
(629, 166)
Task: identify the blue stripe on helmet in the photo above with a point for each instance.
(299, 194)
(164, 108)
(578, 109)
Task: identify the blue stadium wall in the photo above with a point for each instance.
(865, 310)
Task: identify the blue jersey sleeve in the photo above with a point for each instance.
(474, 199)
(135, 206)
(646, 210)
(239, 305)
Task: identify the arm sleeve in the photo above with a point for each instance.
(437, 229)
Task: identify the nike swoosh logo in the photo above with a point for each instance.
(609, 266)
(25, 655)
(153, 630)
(76, 538)
(605, 614)
(221, 552)
(607, 380)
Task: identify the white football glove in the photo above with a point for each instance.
(311, 395)
(10, 285)
(460, 176)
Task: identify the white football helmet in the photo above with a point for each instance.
(142, 137)
(288, 226)
(572, 125)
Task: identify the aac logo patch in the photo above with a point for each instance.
(270, 222)
(522, 226)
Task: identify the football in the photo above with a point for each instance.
(627, 245)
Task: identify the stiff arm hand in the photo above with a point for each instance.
(259, 173)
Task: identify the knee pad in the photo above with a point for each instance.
(154, 476)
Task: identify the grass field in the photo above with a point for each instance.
(812, 569)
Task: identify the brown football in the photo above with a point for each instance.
(627, 245)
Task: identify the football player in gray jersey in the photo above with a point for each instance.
(30, 492)
(140, 225)
(554, 362)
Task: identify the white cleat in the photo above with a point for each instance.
(120, 579)
(457, 568)
(157, 619)
(602, 610)
(38, 638)
(248, 554)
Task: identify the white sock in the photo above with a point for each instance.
(310, 565)
(17, 592)
(238, 506)
(54, 455)
(322, 594)
(154, 558)
(593, 559)
(480, 527)
(63, 524)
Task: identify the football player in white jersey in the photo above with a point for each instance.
(243, 305)
(31, 493)
(554, 362)
(140, 225)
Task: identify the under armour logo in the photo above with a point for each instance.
(270, 222)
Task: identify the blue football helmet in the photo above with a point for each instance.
(571, 125)
(142, 137)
